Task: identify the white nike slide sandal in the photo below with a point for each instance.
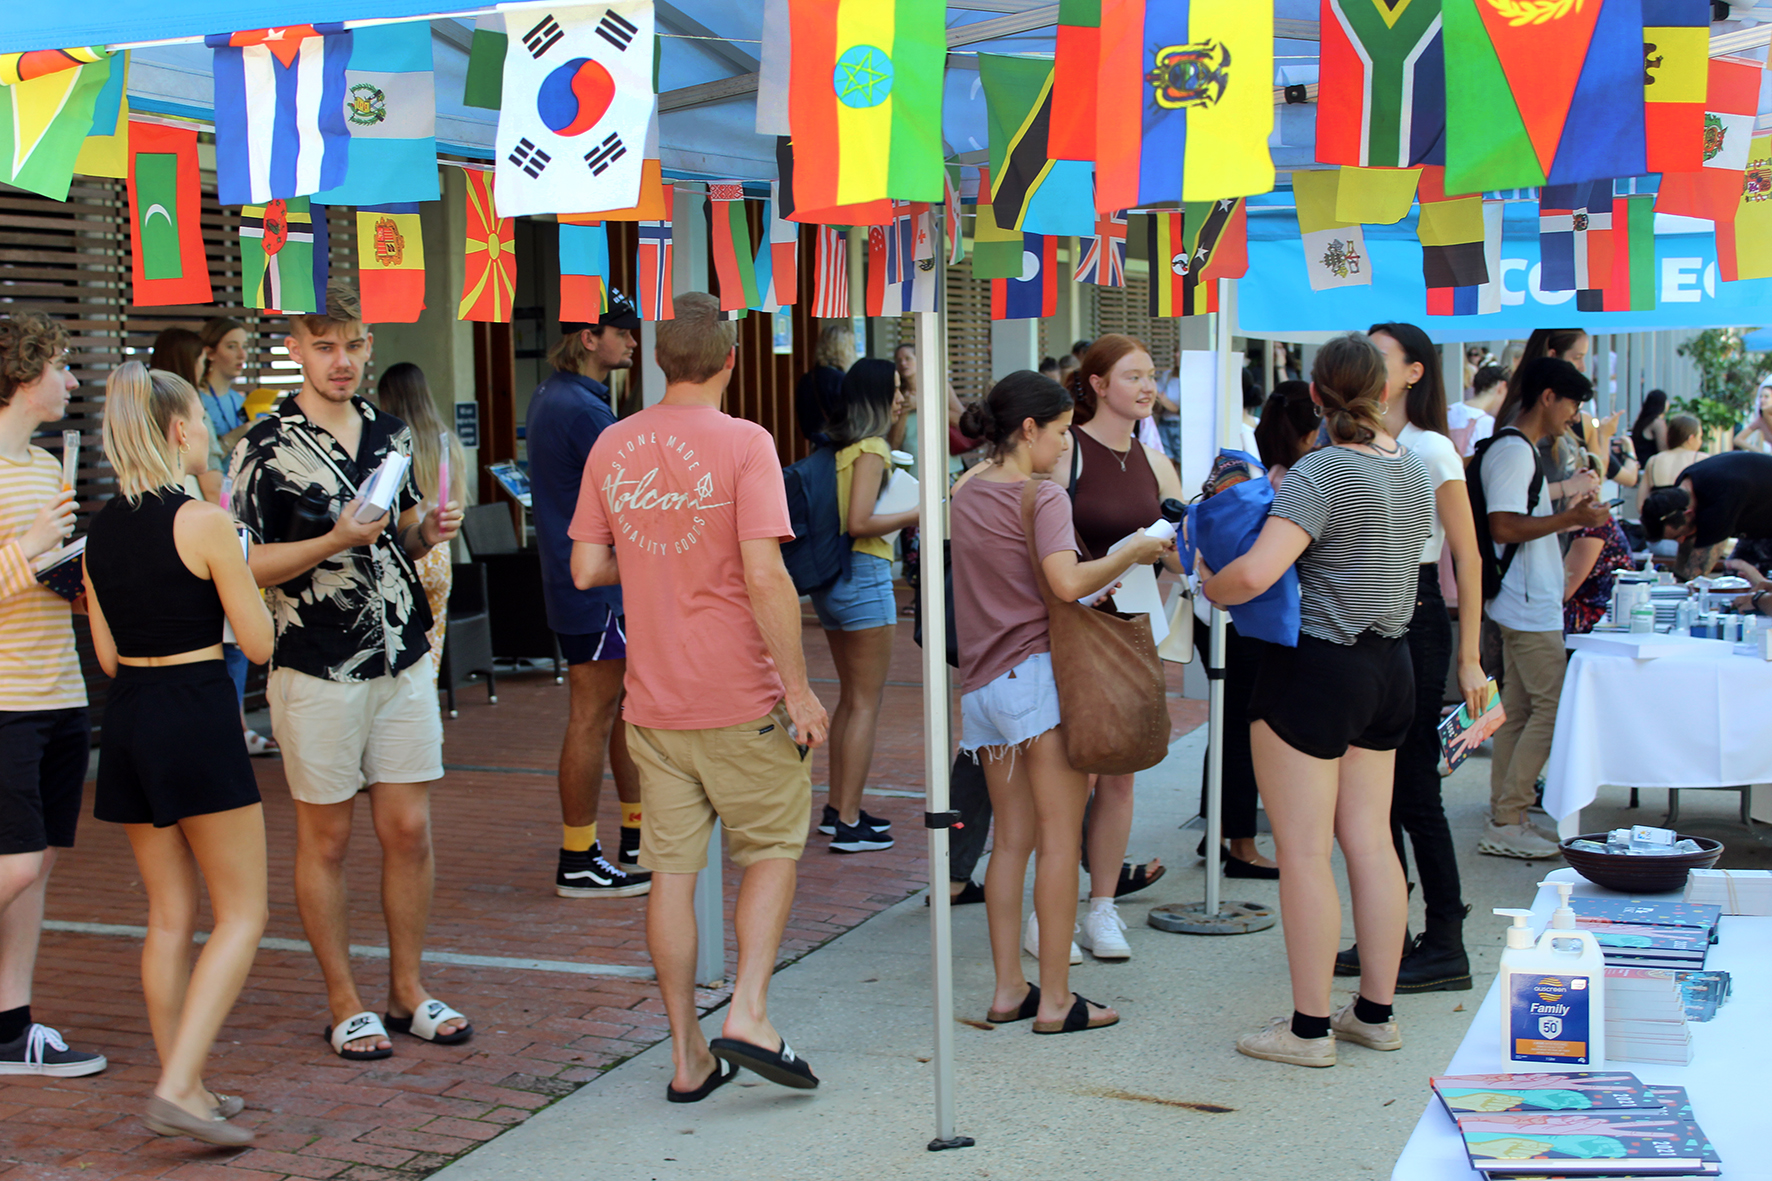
(423, 1024)
(356, 1028)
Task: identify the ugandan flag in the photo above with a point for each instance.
(283, 256)
(1167, 254)
(490, 281)
(390, 263)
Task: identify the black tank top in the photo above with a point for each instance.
(152, 602)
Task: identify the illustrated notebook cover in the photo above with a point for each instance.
(63, 571)
(1595, 912)
(1459, 734)
(1592, 1144)
(1578, 1090)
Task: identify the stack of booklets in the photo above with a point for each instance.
(1639, 933)
(1646, 1017)
(1735, 891)
(1576, 1124)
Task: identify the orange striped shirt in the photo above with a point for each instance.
(39, 667)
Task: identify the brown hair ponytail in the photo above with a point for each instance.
(1098, 361)
(1349, 377)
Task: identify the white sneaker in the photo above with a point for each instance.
(1030, 940)
(1103, 933)
(1515, 840)
(1344, 1026)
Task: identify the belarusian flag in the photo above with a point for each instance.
(996, 250)
(1381, 94)
(1076, 78)
(735, 263)
(865, 101)
(1632, 285)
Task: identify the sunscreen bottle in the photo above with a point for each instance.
(1553, 992)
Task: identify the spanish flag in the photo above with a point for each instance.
(390, 263)
(865, 101)
(1744, 244)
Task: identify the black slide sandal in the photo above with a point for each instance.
(1134, 878)
(782, 1066)
(1030, 1005)
(1077, 1019)
(724, 1072)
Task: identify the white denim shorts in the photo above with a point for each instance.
(1021, 704)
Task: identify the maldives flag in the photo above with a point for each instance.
(168, 262)
(1034, 295)
(1381, 88)
(490, 280)
(865, 101)
(1713, 190)
(1076, 77)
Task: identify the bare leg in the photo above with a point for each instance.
(169, 875)
(591, 727)
(322, 836)
(1374, 875)
(1110, 828)
(1005, 874)
(862, 659)
(24, 878)
(765, 896)
(1059, 796)
(1299, 792)
(671, 941)
(402, 814)
(621, 763)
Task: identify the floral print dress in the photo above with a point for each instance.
(1591, 599)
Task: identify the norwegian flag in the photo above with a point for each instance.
(655, 268)
(1104, 261)
(830, 292)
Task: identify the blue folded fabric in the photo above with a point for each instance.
(1222, 528)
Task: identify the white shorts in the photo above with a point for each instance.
(1021, 704)
(336, 736)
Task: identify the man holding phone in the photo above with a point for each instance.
(351, 694)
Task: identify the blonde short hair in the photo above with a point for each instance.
(342, 308)
(140, 406)
(836, 344)
(694, 345)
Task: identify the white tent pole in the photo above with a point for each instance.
(1230, 414)
(932, 450)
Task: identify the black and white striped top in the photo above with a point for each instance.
(1368, 517)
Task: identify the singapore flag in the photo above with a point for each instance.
(577, 101)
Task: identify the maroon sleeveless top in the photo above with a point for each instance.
(1112, 501)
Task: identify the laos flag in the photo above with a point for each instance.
(279, 112)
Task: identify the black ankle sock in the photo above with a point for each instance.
(14, 1022)
(1309, 1027)
(1370, 1012)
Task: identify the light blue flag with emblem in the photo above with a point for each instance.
(391, 113)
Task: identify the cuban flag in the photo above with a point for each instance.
(1104, 259)
(654, 268)
(279, 112)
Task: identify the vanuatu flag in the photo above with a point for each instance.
(864, 101)
(1676, 57)
(1632, 286)
(1190, 121)
(1033, 294)
(1381, 90)
(490, 281)
(1033, 192)
(390, 263)
(168, 262)
(283, 255)
(1077, 73)
(47, 100)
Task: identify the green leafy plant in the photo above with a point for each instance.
(1728, 378)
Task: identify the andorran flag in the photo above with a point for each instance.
(865, 101)
(390, 263)
(491, 278)
(168, 263)
(1186, 103)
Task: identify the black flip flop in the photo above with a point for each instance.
(724, 1072)
(781, 1066)
(1030, 1005)
(1077, 1019)
(1135, 878)
(969, 894)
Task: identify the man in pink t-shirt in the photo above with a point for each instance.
(684, 506)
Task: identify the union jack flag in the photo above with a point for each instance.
(654, 286)
(1104, 261)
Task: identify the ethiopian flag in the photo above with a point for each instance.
(864, 101)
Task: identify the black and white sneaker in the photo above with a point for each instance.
(828, 825)
(629, 857)
(588, 875)
(40, 1050)
(858, 838)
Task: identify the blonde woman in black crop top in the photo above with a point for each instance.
(162, 571)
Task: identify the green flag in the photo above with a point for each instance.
(996, 250)
(43, 122)
(486, 64)
(156, 188)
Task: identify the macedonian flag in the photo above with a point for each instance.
(390, 263)
(491, 279)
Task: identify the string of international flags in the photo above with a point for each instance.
(1612, 110)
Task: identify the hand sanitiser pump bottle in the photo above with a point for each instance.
(1553, 991)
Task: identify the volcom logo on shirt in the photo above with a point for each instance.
(648, 492)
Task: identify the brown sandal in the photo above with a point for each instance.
(1030, 1005)
(1077, 1019)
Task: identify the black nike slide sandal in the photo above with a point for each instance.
(781, 1066)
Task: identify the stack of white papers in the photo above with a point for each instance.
(382, 487)
(1737, 891)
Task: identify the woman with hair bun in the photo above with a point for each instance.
(1009, 704)
(1330, 713)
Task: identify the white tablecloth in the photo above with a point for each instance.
(1675, 721)
(1727, 1078)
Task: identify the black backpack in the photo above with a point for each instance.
(1495, 568)
(819, 553)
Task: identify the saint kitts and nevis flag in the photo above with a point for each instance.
(47, 101)
(283, 256)
(1191, 122)
(390, 111)
(280, 128)
(390, 263)
(1381, 84)
(168, 263)
(1032, 192)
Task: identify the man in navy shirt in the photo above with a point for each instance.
(567, 413)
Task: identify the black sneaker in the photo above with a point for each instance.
(629, 856)
(858, 838)
(828, 825)
(587, 875)
(40, 1050)
(1430, 967)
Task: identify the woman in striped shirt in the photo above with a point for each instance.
(1329, 714)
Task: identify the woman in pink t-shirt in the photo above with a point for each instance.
(1009, 707)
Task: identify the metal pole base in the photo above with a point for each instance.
(1232, 918)
(938, 1144)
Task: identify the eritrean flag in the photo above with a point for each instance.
(864, 102)
(390, 263)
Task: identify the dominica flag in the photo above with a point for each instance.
(1676, 61)
(1744, 242)
(1713, 190)
(735, 265)
(490, 281)
(584, 269)
(1216, 236)
(283, 256)
(1032, 191)
(1033, 294)
(486, 63)
(1575, 241)
(1334, 250)
(105, 150)
(653, 266)
(996, 249)
(1632, 286)
(390, 112)
(1521, 71)
(1381, 84)
(1375, 196)
(830, 274)
(47, 100)
(168, 264)
(280, 112)
(1167, 254)
(1104, 257)
(1191, 121)
(390, 263)
(865, 101)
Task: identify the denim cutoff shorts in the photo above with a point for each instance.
(860, 599)
(1021, 704)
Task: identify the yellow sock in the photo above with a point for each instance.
(578, 838)
(630, 815)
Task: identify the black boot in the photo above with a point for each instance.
(1347, 963)
(1435, 965)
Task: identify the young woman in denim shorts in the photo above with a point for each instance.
(1009, 707)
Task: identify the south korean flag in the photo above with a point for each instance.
(577, 101)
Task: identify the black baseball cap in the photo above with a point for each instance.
(621, 314)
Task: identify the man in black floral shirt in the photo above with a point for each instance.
(351, 693)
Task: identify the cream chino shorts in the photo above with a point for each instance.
(336, 736)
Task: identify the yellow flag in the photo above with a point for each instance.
(1376, 196)
(1744, 246)
(1227, 137)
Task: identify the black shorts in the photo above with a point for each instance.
(1323, 697)
(42, 772)
(171, 746)
(610, 642)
